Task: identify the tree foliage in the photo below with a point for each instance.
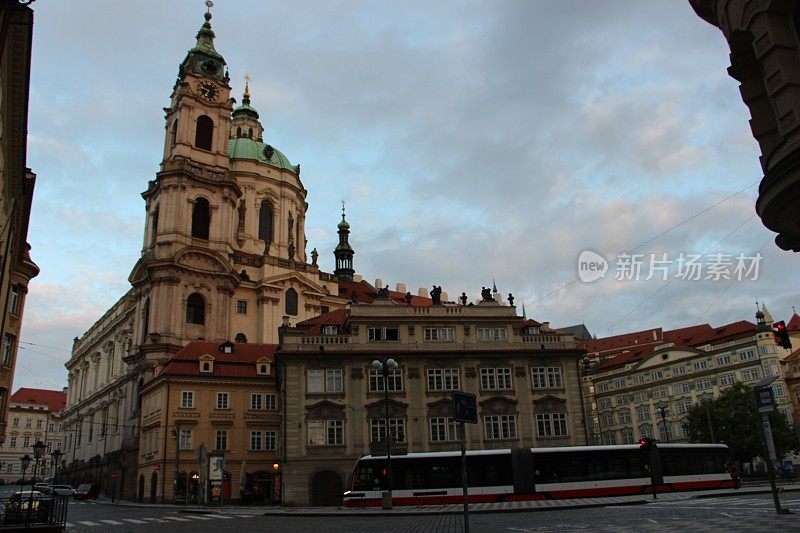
(734, 420)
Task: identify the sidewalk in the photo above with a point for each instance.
(498, 507)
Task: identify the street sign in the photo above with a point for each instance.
(765, 400)
(465, 407)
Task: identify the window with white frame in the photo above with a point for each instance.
(241, 307)
(703, 384)
(750, 374)
(439, 334)
(681, 388)
(270, 402)
(383, 334)
(500, 426)
(325, 432)
(492, 334)
(684, 406)
(547, 377)
(619, 383)
(604, 403)
(324, 381)
(443, 379)
(610, 439)
(643, 414)
(222, 400)
(444, 429)
(665, 432)
(330, 330)
(270, 440)
(640, 396)
(603, 386)
(221, 440)
(185, 439)
(394, 380)
(256, 402)
(727, 379)
(646, 432)
(187, 399)
(747, 355)
(679, 370)
(660, 392)
(700, 365)
(397, 429)
(262, 440)
(627, 436)
(723, 360)
(496, 379)
(656, 375)
(624, 416)
(779, 390)
(551, 425)
(607, 419)
(638, 379)
(623, 399)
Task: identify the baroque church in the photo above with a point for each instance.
(224, 258)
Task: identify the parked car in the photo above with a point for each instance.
(25, 505)
(63, 490)
(86, 491)
(44, 488)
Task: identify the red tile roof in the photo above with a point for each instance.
(688, 337)
(625, 340)
(366, 293)
(794, 323)
(55, 400)
(333, 318)
(240, 363)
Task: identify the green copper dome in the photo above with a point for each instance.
(245, 148)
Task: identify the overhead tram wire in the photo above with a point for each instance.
(43, 346)
(648, 241)
(664, 286)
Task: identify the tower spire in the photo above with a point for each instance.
(204, 59)
(344, 252)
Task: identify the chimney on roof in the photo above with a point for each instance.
(378, 283)
(423, 291)
(655, 335)
(400, 287)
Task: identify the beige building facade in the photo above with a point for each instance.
(643, 384)
(16, 188)
(34, 416)
(525, 376)
(224, 258)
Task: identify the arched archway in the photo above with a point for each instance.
(325, 487)
(140, 491)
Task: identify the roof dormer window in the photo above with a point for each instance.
(330, 330)
(263, 367)
(226, 347)
(206, 364)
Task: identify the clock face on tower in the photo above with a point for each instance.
(208, 91)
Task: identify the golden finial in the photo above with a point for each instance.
(247, 79)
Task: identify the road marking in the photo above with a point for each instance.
(87, 523)
(727, 514)
(178, 518)
(134, 521)
(219, 516)
(113, 522)
(69, 524)
(198, 517)
(649, 519)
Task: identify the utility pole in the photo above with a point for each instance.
(177, 434)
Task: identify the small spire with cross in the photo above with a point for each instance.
(209, 5)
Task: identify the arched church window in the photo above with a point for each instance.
(240, 338)
(154, 229)
(204, 132)
(145, 320)
(174, 133)
(195, 309)
(239, 132)
(291, 302)
(250, 133)
(201, 218)
(265, 221)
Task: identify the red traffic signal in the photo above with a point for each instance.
(646, 444)
(779, 328)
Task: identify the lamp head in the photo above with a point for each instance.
(38, 449)
(377, 364)
(391, 363)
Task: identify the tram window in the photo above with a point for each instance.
(365, 477)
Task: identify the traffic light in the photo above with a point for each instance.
(646, 444)
(779, 328)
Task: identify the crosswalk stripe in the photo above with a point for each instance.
(198, 517)
(134, 521)
(177, 518)
(87, 523)
(218, 516)
(112, 522)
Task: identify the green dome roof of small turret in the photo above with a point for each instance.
(246, 148)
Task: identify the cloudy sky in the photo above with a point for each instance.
(471, 140)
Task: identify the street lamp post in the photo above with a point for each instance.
(38, 450)
(385, 366)
(662, 410)
(55, 455)
(26, 462)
